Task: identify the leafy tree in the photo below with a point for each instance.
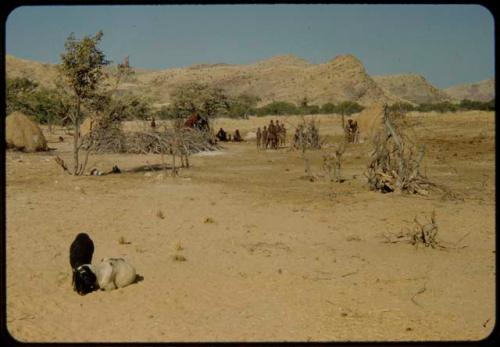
(46, 106)
(241, 106)
(208, 102)
(440, 107)
(490, 105)
(402, 107)
(18, 94)
(309, 109)
(349, 107)
(277, 108)
(82, 68)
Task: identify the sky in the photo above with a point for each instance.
(447, 44)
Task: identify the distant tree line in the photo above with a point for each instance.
(446, 106)
(51, 105)
(287, 108)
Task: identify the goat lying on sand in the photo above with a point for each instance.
(113, 273)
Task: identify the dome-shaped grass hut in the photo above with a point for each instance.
(23, 134)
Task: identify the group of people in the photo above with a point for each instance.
(223, 136)
(352, 131)
(271, 136)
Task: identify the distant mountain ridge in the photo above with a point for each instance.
(412, 87)
(279, 78)
(479, 91)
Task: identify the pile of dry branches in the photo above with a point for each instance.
(111, 139)
(170, 141)
(395, 160)
(105, 137)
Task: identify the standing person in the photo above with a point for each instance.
(283, 132)
(271, 134)
(355, 131)
(348, 130)
(259, 137)
(278, 133)
(153, 123)
(264, 137)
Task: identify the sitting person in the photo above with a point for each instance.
(222, 135)
(237, 137)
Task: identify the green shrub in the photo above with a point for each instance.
(329, 108)
(349, 107)
(276, 108)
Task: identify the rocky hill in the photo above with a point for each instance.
(412, 87)
(280, 78)
(479, 91)
(45, 74)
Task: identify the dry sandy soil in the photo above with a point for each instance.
(269, 256)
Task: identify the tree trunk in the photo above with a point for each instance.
(343, 125)
(76, 137)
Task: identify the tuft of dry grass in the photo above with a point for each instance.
(209, 220)
(139, 249)
(122, 241)
(160, 214)
(179, 257)
(179, 247)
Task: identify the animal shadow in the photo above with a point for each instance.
(138, 278)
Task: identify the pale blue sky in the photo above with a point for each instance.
(448, 44)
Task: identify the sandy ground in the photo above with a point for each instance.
(269, 256)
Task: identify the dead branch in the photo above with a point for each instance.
(420, 291)
(61, 163)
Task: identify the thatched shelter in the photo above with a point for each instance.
(23, 134)
(370, 121)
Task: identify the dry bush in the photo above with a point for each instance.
(332, 163)
(421, 234)
(395, 159)
(307, 135)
